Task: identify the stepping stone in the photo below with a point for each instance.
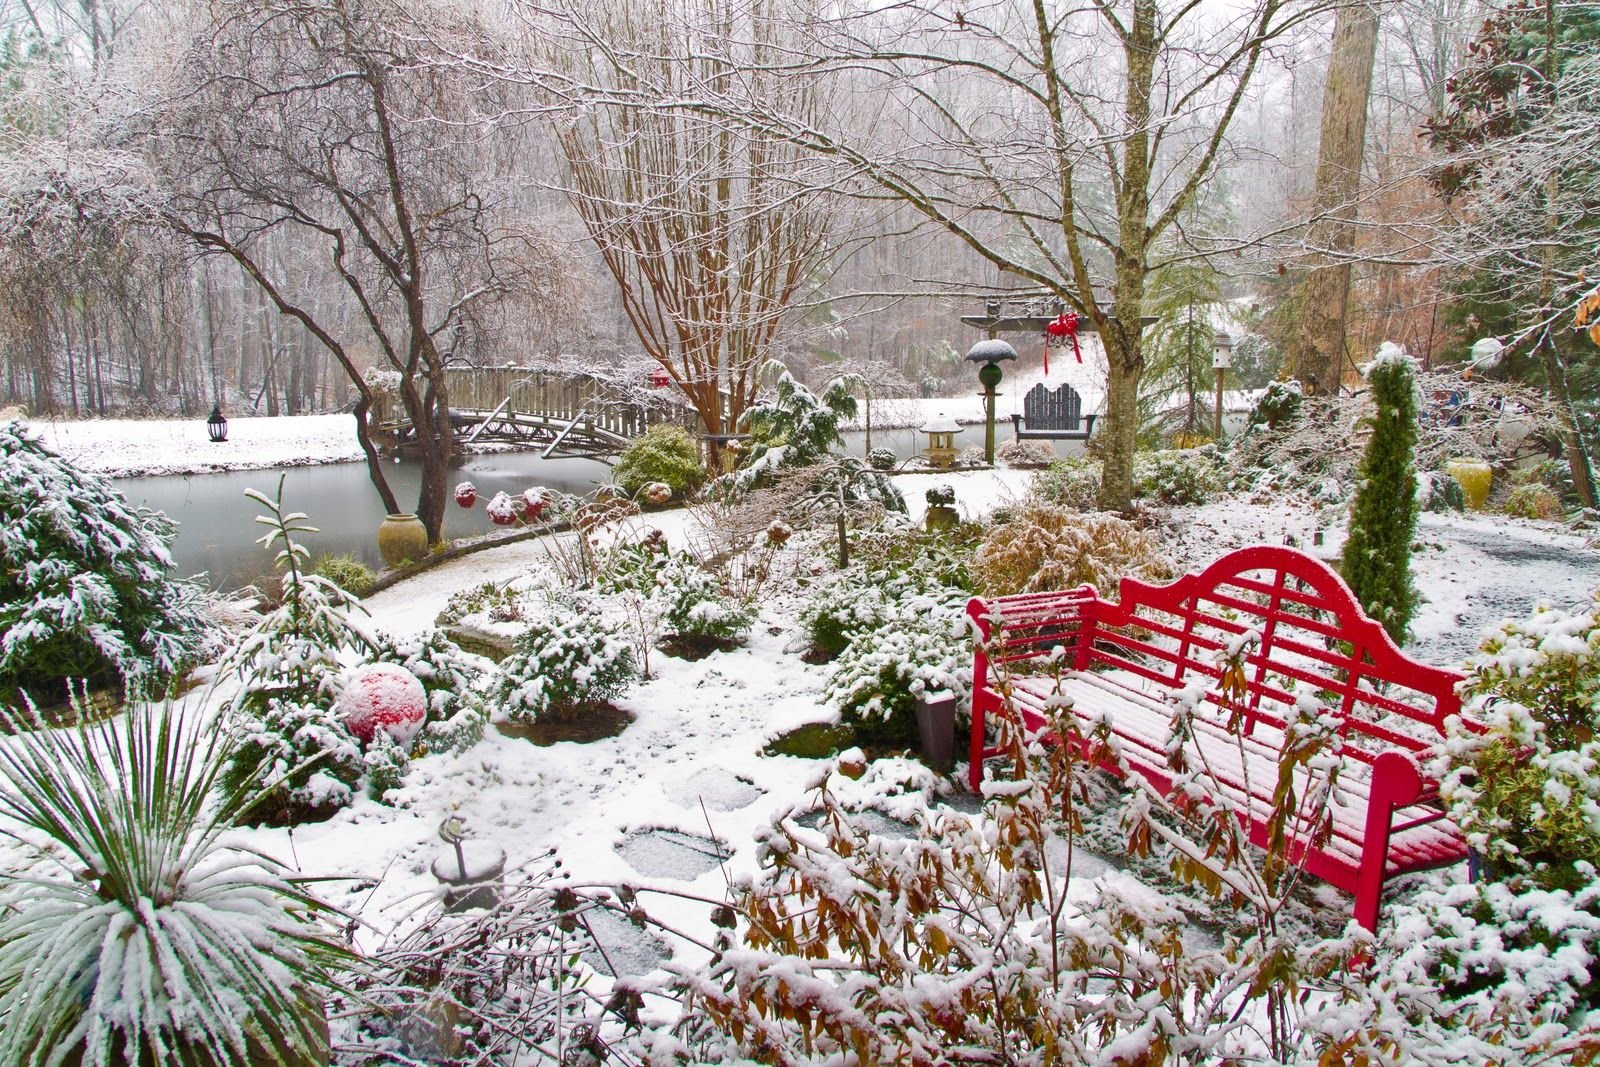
(628, 950)
(663, 853)
(717, 789)
(873, 821)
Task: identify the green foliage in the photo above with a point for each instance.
(346, 572)
(940, 496)
(698, 610)
(1533, 502)
(1256, 362)
(84, 591)
(793, 429)
(1383, 518)
(1526, 808)
(905, 559)
(840, 609)
(138, 935)
(1073, 482)
(1177, 476)
(501, 602)
(384, 764)
(665, 454)
(1177, 391)
(1548, 663)
(569, 660)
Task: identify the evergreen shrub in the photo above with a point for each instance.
(84, 591)
(451, 677)
(882, 673)
(698, 613)
(665, 454)
(570, 660)
(1383, 517)
(882, 459)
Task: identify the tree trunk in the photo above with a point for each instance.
(1317, 351)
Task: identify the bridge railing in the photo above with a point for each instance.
(557, 397)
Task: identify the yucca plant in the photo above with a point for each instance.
(138, 936)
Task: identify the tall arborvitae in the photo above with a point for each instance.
(1377, 557)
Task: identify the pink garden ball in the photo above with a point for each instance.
(387, 697)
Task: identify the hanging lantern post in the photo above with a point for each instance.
(990, 353)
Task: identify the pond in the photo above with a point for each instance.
(217, 530)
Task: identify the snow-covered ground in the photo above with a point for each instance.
(691, 762)
(127, 447)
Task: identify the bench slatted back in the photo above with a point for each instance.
(1058, 409)
(1298, 632)
(1295, 625)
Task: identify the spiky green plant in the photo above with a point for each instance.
(137, 935)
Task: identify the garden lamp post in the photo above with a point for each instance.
(1221, 359)
(990, 353)
(217, 425)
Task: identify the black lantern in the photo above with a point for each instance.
(216, 425)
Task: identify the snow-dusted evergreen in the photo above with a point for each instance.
(84, 586)
(569, 659)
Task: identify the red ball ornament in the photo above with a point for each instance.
(466, 494)
(501, 510)
(387, 697)
(532, 504)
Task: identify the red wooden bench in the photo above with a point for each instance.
(1282, 626)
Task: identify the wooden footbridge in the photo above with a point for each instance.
(565, 415)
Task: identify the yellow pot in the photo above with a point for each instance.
(1475, 478)
(402, 537)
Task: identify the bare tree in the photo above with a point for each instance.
(331, 127)
(707, 227)
(1059, 147)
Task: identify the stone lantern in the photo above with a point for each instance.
(941, 431)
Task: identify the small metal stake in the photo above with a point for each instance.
(452, 832)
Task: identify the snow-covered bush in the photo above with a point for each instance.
(1533, 502)
(451, 678)
(877, 680)
(84, 591)
(665, 454)
(1437, 491)
(1047, 547)
(1532, 813)
(698, 613)
(882, 459)
(290, 744)
(1278, 406)
(1177, 476)
(1550, 664)
(1018, 452)
(1487, 972)
(568, 661)
(839, 609)
(501, 603)
(1073, 482)
(137, 935)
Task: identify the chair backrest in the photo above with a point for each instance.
(1058, 409)
(1295, 630)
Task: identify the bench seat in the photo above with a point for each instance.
(1282, 628)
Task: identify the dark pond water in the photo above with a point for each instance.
(217, 530)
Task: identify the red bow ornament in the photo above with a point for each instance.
(1063, 329)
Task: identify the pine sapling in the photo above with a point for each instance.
(1383, 519)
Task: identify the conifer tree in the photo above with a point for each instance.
(1377, 556)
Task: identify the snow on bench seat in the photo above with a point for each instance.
(1287, 630)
